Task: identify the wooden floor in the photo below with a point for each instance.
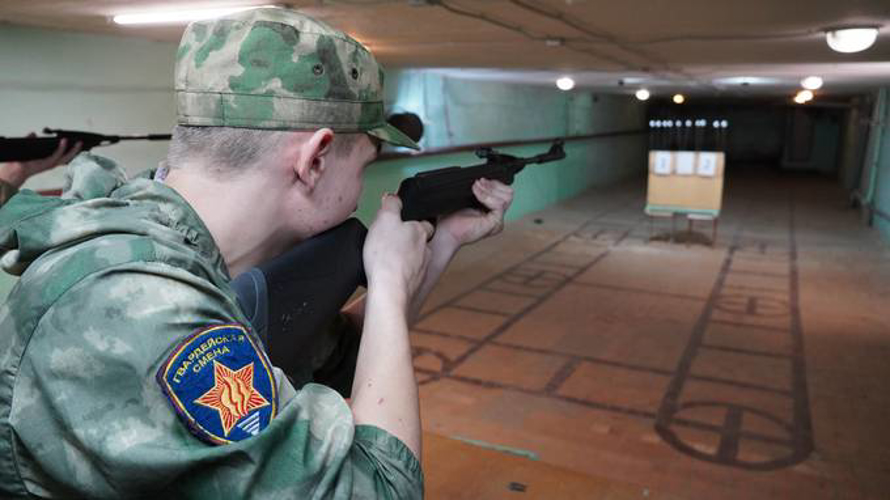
(575, 356)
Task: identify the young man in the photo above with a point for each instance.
(128, 368)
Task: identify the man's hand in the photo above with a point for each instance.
(469, 225)
(462, 228)
(453, 231)
(16, 173)
(396, 254)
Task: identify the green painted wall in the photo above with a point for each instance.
(881, 197)
(458, 112)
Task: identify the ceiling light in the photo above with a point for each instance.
(642, 94)
(679, 98)
(849, 40)
(745, 80)
(565, 83)
(179, 16)
(803, 96)
(811, 83)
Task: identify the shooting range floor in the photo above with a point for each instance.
(574, 357)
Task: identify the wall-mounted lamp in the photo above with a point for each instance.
(811, 83)
(849, 40)
(565, 83)
(642, 94)
(679, 99)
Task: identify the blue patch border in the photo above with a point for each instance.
(193, 425)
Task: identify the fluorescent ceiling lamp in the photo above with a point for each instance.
(745, 80)
(642, 94)
(849, 40)
(811, 83)
(179, 16)
(565, 83)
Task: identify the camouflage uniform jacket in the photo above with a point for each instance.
(114, 276)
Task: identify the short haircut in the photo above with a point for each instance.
(227, 151)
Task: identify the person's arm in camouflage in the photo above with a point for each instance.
(88, 380)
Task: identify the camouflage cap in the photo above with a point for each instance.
(277, 69)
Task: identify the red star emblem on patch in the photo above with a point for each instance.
(232, 395)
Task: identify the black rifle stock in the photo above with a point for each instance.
(297, 295)
(34, 148)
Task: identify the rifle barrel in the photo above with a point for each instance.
(34, 148)
(147, 137)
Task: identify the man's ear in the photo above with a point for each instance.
(313, 157)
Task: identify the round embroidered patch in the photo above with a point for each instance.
(220, 384)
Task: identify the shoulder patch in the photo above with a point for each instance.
(220, 383)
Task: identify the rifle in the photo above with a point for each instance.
(431, 194)
(33, 148)
(295, 296)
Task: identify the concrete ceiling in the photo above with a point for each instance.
(707, 47)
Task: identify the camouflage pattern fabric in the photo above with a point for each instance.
(277, 69)
(113, 275)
